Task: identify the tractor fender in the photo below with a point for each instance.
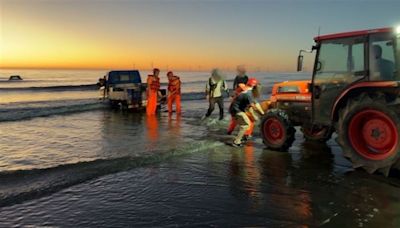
(356, 88)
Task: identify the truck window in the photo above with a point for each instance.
(124, 77)
(120, 77)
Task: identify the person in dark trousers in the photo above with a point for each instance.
(241, 77)
(215, 88)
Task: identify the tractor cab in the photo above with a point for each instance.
(345, 60)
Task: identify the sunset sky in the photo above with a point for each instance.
(187, 35)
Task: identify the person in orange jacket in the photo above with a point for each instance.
(174, 92)
(152, 92)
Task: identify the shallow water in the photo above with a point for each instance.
(221, 186)
(75, 163)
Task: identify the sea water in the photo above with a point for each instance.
(67, 160)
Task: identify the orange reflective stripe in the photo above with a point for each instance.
(153, 83)
(174, 85)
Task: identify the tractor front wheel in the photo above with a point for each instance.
(277, 131)
(369, 131)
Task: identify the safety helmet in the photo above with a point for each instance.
(252, 82)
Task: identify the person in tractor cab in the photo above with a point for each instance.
(215, 88)
(237, 109)
(153, 91)
(384, 67)
(241, 77)
(174, 92)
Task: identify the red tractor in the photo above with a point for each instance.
(354, 92)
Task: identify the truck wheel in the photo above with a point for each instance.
(369, 131)
(277, 131)
(316, 133)
(114, 105)
(124, 105)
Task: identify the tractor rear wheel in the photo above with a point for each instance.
(277, 131)
(316, 133)
(369, 131)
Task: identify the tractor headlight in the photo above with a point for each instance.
(398, 30)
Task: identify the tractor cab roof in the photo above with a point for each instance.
(351, 34)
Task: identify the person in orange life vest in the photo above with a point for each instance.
(255, 88)
(174, 92)
(152, 92)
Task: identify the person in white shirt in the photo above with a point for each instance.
(215, 88)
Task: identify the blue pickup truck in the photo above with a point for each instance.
(124, 90)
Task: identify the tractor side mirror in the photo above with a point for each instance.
(299, 63)
(318, 66)
(300, 59)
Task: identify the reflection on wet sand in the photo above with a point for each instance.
(266, 184)
(174, 124)
(290, 203)
(314, 156)
(246, 175)
(152, 128)
(117, 133)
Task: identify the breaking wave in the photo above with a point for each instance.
(28, 110)
(52, 88)
(40, 182)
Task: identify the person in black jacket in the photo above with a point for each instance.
(241, 77)
(238, 108)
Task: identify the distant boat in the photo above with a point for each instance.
(15, 78)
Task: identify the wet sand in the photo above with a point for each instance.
(219, 186)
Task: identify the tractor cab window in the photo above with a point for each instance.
(382, 57)
(397, 70)
(340, 61)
